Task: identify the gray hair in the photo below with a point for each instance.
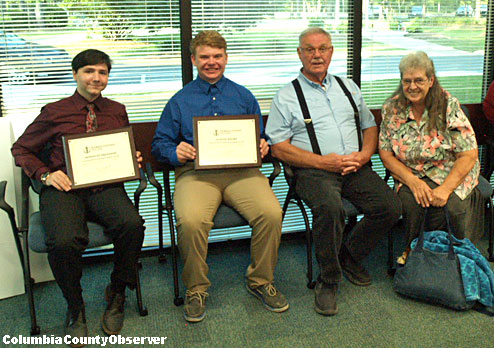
(418, 60)
(310, 31)
(436, 99)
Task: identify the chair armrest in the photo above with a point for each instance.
(10, 212)
(24, 214)
(489, 160)
(151, 177)
(6, 207)
(387, 175)
(290, 176)
(140, 189)
(166, 169)
(276, 167)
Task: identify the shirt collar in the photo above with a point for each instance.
(326, 82)
(206, 86)
(410, 117)
(82, 102)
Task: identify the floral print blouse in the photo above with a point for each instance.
(429, 155)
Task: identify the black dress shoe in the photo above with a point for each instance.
(353, 270)
(325, 298)
(75, 326)
(113, 317)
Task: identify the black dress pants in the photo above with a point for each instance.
(64, 216)
(322, 191)
(466, 216)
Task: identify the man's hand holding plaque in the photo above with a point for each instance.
(100, 158)
(187, 152)
(225, 142)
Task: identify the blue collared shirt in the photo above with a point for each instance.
(199, 98)
(331, 113)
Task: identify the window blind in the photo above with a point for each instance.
(262, 38)
(39, 39)
(452, 33)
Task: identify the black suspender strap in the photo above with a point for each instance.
(355, 110)
(308, 121)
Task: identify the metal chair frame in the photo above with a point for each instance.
(21, 240)
(167, 208)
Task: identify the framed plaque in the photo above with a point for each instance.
(227, 141)
(100, 158)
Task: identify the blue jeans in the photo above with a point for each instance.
(323, 191)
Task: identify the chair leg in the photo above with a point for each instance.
(28, 283)
(490, 249)
(143, 311)
(391, 270)
(161, 256)
(308, 242)
(178, 300)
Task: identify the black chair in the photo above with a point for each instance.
(351, 213)
(485, 188)
(33, 237)
(226, 217)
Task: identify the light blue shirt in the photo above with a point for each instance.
(331, 113)
(199, 98)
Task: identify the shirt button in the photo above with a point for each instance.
(214, 98)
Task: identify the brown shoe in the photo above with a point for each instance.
(76, 327)
(353, 270)
(325, 298)
(113, 317)
(195, 306)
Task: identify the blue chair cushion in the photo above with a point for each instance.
(228, 217)
(350, 209)
(37, 235)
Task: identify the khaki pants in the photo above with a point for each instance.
(198, 195)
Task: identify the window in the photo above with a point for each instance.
(452, 35)
(39, 39)
(262, 38)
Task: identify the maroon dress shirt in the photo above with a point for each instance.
(64, 117)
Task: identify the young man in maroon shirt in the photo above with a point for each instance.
(65, 211)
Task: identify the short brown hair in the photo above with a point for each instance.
(207, 38)
(90, 57)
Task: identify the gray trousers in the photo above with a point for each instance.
(323, 192)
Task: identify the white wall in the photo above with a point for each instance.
(11, 278)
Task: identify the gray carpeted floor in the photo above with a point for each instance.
(369, 317)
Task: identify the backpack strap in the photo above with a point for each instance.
(307, 119)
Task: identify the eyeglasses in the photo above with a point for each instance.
(418, 82)
(310, 51)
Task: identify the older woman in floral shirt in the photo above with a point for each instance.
(429, 146)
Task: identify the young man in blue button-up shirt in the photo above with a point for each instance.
(199, 193)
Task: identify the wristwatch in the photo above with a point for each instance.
(44, 177)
